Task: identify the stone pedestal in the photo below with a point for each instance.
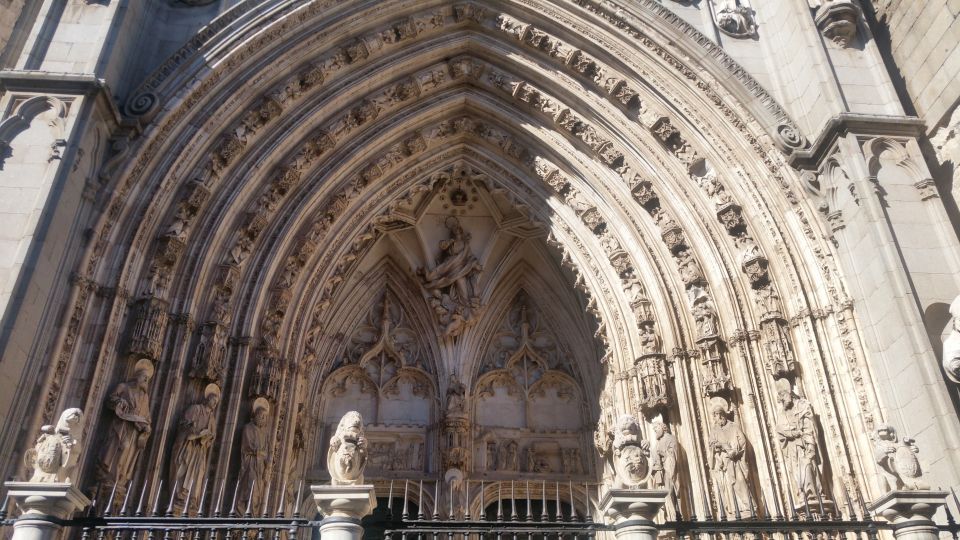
(342, 508)
(911, 513)
(44, 506)
(631, 512)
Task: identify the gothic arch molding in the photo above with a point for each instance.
(637, 187)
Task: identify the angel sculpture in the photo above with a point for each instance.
(57, 450)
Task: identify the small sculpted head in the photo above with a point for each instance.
(143, 372)
(886, 432)
(659, 428)
(70, 420)
(785, 393)
(718, 411)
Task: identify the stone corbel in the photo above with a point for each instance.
(837, 21)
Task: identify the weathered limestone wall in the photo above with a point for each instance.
(9, 13)
(925, 43)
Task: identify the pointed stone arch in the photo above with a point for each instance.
(667, 201)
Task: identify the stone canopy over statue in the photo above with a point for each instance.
(452, 284)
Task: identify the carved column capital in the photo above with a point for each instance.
(46, 500)
(631, 511)
(911, 512)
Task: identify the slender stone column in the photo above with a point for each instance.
(44, 506)
(631, 512)
(342, 508)
(911, 513)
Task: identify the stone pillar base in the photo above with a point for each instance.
(44, 505)
(343, 507)
(37, 499)
(631, 512)
(911, 512)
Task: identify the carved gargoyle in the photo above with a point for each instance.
(55, 454)
(347, 455)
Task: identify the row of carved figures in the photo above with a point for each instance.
(638, 463)
(57, 450)
(127, 429)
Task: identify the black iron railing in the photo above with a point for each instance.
(527, 513)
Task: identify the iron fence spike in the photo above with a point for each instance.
(109, 508)
(156, 502)
(126, 498)
(143, 495)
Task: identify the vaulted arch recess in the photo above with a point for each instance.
(488, 227)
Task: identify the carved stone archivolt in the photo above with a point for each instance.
(274, 288)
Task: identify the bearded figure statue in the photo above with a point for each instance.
(347, 454)
(55, 454)
(630, 454)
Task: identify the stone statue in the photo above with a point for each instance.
(728, 455)
(649, 340)
(491, 456)
(705, 317)
(951, 347)
(508, 460)
(128, 428)
(456, 393)
(254, 448)
(797, 434)
(347, 455)
(663, 469)
(451, 285)
(191, 448)
(55, 454)
(898, 460)
(734, 18)
(630, 454)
